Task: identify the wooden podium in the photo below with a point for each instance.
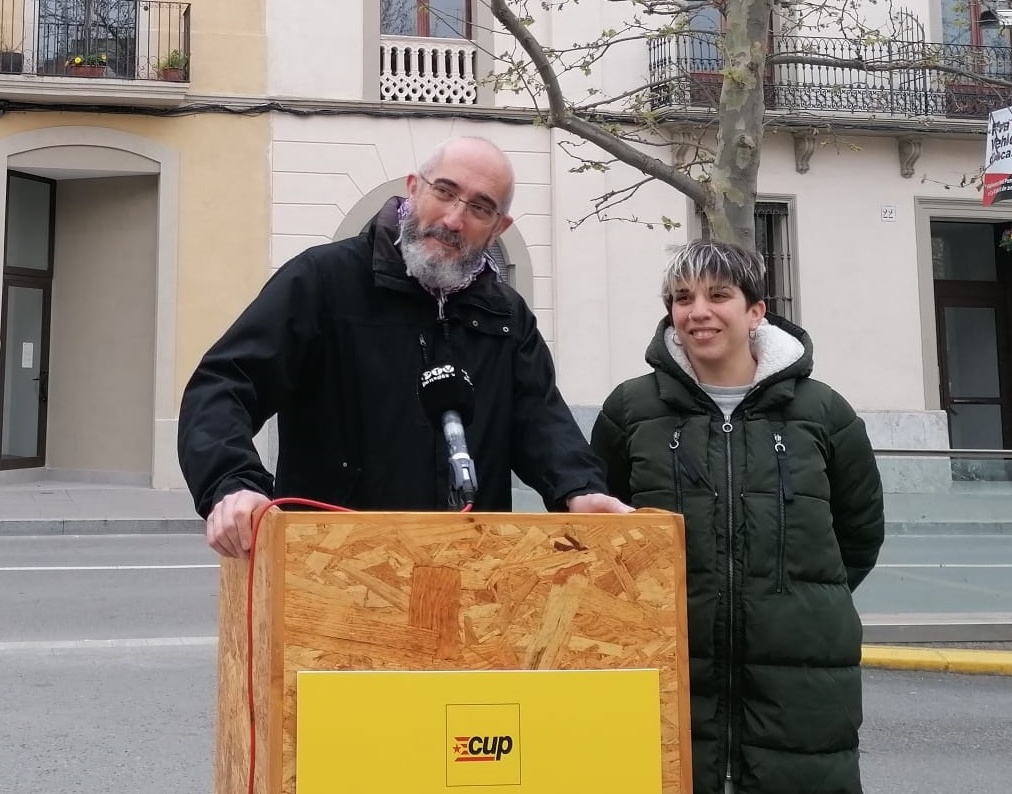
(446, 591)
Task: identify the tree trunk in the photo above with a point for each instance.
(731, 206)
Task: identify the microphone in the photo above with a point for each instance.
(447, 397)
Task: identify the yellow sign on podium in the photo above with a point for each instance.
(487, 732)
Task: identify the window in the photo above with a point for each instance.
(87, 28)
(772, 240)
(703, 39)
(443, 19)
(961, 25)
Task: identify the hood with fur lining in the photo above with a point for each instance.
(782, 350)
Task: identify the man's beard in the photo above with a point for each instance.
(437, 272)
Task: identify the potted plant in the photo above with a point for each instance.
(172, 68)
(87, 65)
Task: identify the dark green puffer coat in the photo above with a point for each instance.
(784, 517)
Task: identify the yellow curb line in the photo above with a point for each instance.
(941, 660)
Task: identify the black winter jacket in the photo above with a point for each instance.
(784, 517)
(334, 345)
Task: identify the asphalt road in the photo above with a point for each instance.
(107, 664)
(107, 681)
(928, 733)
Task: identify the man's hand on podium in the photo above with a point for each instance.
(596, 503)
(230, 524)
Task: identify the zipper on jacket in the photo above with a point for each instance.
(679, 462)
(727, 427)
(676, 470)
(424, 347)
(785, 494)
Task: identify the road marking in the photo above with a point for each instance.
(61, 568)
(74, 645)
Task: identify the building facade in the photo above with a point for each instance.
(877, 242)
(135, 215)
(875, 234)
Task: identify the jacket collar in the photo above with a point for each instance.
(389, 271)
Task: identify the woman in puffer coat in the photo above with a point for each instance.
(782, 500)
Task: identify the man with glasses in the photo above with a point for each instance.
(335, 344)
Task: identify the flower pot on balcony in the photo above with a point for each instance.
(172, 68)
(85, 70)
(11, 62)
(172, 75)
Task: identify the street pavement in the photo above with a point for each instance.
(71, 508)
(929, 595)
(107, 663)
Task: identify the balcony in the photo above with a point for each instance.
(95, 52)
(441, 71)
(906, 80)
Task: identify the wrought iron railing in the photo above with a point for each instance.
(893, 78)
(120, 39)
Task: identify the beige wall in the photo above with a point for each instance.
(224, 230)
(213, 229)
(223, 219)
(228, 47)
(210, 225)
(101, 390)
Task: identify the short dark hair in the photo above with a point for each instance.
(724, 263)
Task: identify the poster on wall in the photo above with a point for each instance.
(998, 158)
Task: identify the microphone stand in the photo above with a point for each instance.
(463, 479)
(462, 484)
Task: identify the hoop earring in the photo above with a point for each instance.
(753, 334)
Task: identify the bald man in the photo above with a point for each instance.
(335, 345)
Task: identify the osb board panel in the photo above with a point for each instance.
(232, 734)
(413, 591)
(232, 750)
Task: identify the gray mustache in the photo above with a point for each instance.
(446, 236)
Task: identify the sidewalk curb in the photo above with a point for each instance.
(938, 660)
(100, 526)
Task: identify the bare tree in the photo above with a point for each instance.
(720, 177)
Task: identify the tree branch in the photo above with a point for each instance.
(560, 116)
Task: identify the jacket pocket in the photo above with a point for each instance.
(682, 466)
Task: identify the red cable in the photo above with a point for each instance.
(249, 609)
(249, 614)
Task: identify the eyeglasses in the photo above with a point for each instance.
(480, 213)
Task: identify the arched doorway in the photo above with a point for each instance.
(107, 410)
